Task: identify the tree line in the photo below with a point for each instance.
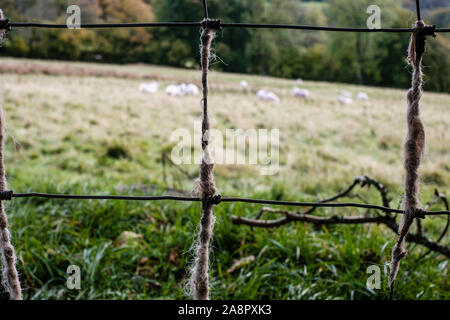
(364, 58)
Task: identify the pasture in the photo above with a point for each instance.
(86, 129)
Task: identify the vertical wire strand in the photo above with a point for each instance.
(205, 9)
(417, 10)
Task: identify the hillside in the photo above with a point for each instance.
(86, 129)
(358, 58)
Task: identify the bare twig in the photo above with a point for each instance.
(165, 158)
(386, 219)
(443, 198)
(361, 180)
(426, 207)
(290, 216)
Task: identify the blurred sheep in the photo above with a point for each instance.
(300, 93)
(347, 94)
(344, 100)
(266, 95)
(363, 96)
(191, 89)
(149, 87)
(174, 90)
(244, 84)
(182, 89)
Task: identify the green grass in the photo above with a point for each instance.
(99, 135)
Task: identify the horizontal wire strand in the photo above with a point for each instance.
(105, 25)
(231, 199)
(222, 24)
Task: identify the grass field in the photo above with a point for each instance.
(85, 128)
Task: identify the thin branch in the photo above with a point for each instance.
(290, 216)
(443, 198)
(426, 207)
(361, 180)
(165, 157)
(387, 220)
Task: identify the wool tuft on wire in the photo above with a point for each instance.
(10, 277)
(205, 185)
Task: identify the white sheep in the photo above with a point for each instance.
(267, 96)
(345, 100)
(149, 87)
(261, 94)
(363, 96)
(174, 90)
(299, 81)
(300, 93)
(347, 94)
(244, 84)
(273, 97)
(191, 89)
(182, 89)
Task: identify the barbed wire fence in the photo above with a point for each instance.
(207, 192)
